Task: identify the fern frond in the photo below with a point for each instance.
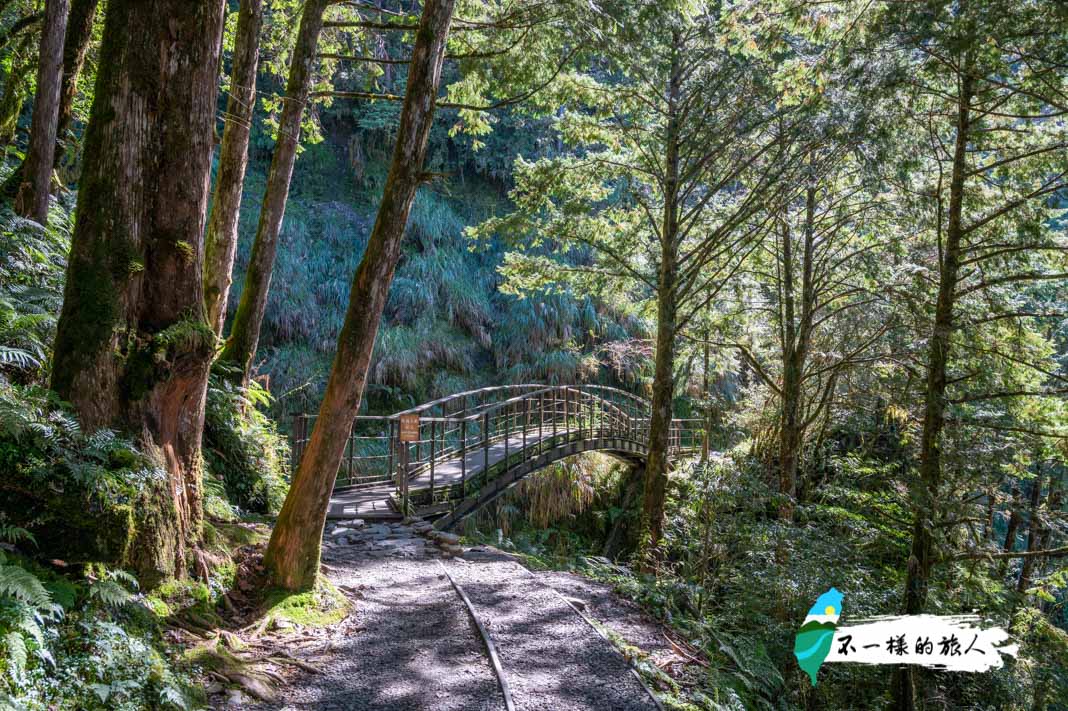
(14, 534)
(110, 593)
(23, 585)
(18, 358)
(31, 628)
(16, 650)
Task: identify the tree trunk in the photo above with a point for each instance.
(705, 390)
(221, 241)
(621, 535)
(790, 412)
(924, 493)
(240, 347)
(35, 188)
(796, 336)
(22, 59)
(79, 33)
(133, 349)
(1034, 535)
(1053, 505)
(657, 463)
(1011, 528)
(292, 557)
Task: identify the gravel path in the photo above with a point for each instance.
(411, 643)
(415, 646)
(553, 660)
(622, 616)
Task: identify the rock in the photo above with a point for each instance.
(446, 538)
(580, 604)
(213, 688)
(254, 685)
(279, 623)
(340, 531)
(236, 698)
(355, 523)
(452, 549)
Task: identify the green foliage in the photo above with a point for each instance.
(242, 447)
(68, 643)
(79, 494)
(446, 326)
(32, 265)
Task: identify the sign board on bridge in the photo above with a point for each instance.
(409, 428)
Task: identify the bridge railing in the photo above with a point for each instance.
(526, 419)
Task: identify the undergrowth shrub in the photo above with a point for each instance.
(79, 641)
(33, 262)
(243, 449)
(80, 495)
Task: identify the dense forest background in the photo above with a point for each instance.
(835, 232)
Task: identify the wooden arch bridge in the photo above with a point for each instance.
(448, 458)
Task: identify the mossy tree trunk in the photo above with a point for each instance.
(75, 46)
(133, 346)
(658, 462)
(35, 187)
(1034, 534)
(797, 334)
(15, 85)
(221, 241)
(293, 554)
(244, 337)
(925, 489)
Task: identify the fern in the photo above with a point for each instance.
(109, 591)
(14, 534)
(24, 586)
(18, 358)
(17, 653)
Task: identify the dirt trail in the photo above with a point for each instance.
(413, 645)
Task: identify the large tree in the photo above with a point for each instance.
(75, 46)
(677, 145)
(816, 303)
(36, 177)
(240, 346)
(133, 346)
(221, 241)
(986, 81)
(292, 556)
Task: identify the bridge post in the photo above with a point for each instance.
(600, 406)
(485, 452)
(526, 421)
(392, 446)
(554, 416)
(352, 454)
(541, 416)
(433, 441)
(567, 423)
(463, 448)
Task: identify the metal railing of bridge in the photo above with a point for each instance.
(527, 419)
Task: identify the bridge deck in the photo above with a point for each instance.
(373, 503)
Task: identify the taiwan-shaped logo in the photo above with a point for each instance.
(816, 636)
(946, 642)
